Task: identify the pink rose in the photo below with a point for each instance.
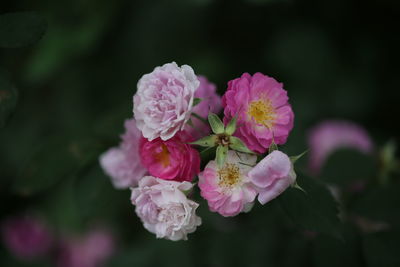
(26, 237)
(331, 135)
(211, 102)
(90, 250)
(263, 110)
(272, 175)
(164, 99)
(122, 163)
(173, 159)
(228, 190)
(164, 209)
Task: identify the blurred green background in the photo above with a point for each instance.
(337, 59)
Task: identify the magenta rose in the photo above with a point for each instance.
(263, 110)
(173, 159)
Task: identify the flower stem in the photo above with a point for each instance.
(197, 116)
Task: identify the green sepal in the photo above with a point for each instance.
(297, 186)
(231, 127)
(216, 124)
(237, 144)
(208, 141)
(272, 147)
(221, 154)
(197, 101)
(293, 159)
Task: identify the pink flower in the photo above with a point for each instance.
(26, 237)
(173, 159)
(229, 190)
(211, 102)
(164, 209)
(331, 135)
(263, 110)
(122, 163)
(90, 250)
(272, 175)
(164, 100)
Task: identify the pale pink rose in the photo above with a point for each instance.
(228, 190)
(332, 135)
(164, 100)
(272, 175)
(211, 102)
(164, 208)
(263, 110)
(26, 237)
(173, 159)
(90, 250)
(123, 163)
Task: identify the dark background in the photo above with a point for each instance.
(337, 59)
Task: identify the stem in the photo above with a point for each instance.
(197, 116)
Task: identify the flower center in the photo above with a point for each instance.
(163, 156)
(229, 175)
(262, 112)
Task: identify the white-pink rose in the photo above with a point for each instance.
(123, 163)
(164, 100)
(272, 175)
(164, 209)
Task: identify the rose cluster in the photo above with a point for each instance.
(173, 115)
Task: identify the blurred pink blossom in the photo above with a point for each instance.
(263, 110)
(26, 237)
(123, 163)
(331, 135)
(90, 250)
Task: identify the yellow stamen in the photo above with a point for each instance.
(163, 156)
(262, 112)
(229, 175)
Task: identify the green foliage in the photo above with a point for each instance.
(357, 166)
(315, 211)
(54, 162)
(21, 29)
(8, 99)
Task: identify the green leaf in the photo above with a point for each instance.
(216, 124)
(315, 211)
(238, 145)
(382, 249)
(8, 99)
(197, 101)
(231, 127)
(56, 160)
(21, 29)
(208, 141)
(222, 151)
(345, 167)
